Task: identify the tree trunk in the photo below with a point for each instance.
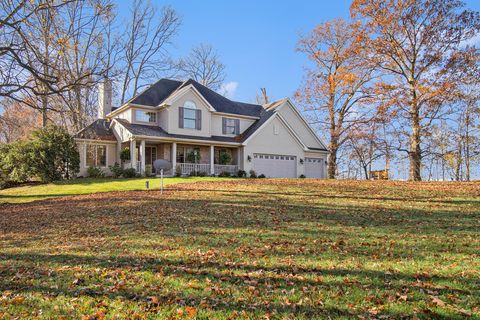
(414, 154)
(332, 160)
(44, 100)
(365, 170)
(467, 145)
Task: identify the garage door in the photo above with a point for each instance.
(314, 167)
(275, 165)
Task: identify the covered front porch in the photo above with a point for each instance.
(186, 158)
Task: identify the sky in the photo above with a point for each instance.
(256, 40)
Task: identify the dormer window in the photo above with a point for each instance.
(144, 116)
(230, 126)
(189, 116)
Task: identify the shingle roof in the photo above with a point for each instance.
(97, 130)
(264, 116)
(156, 93)
(162, 89)
(317, 149)
(154, 131)
(222, 104)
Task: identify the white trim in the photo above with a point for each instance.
(127, 106)
(233, 115)
(106, 155)
(317, 151)
(287, 100)
(202, 142)
(276, 114)
(292, 132)
(94, 141)
(258, 130)
(177, 95)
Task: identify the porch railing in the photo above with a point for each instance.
(219, 168)
(188, 168)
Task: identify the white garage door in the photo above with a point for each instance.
(275, 165)
(314, 167)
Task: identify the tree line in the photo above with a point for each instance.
(400, 79)
(54, 53)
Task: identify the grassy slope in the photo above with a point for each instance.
(246, 249)
(86, 186)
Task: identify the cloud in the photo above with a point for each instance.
(228, 89)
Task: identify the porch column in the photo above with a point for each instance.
(119, 151)
(212, 160)
(240, 159)
(133, 154)
(174, 157)
(142, 157)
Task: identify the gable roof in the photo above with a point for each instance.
(156, 93)
(97, 130)
(164, 88)
(223, 104)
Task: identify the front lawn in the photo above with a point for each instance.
(246, 249)
(87, 186)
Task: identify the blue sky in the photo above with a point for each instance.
(255, 39)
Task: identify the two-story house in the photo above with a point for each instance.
(197, 129)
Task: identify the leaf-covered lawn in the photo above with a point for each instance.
(258, 249)
(87, 186)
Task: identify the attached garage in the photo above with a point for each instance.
(275, 165)
(314, 168)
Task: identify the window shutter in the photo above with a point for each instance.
(237, 126)
(224, 126)
(180, 117)
(198, 118)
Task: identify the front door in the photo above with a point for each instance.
(150, 156)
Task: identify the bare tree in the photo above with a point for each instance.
(149, 32)
(263, 98)
(204, 66)
(16, 73)
(91, 52)
(57, 49)
(365, 145)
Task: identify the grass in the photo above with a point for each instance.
(246, 249)
(86, 186)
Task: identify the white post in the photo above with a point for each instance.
(240, 159)
(133, 154)
(119, 151)
(161, 181)
(174, 157)
(142, 157)
(212, 160)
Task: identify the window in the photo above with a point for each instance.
(144, 116)
(190, 116)
(96, 156)
(230, 126)
(188, 155)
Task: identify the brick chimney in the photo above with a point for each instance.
(104, 98)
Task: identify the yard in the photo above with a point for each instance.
(249, 248)
(34, 192)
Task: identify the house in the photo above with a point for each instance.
(197, 129)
